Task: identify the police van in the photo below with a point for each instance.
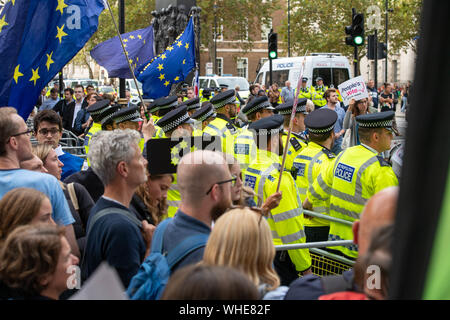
(332, 67)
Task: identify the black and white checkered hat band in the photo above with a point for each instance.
(97, 112)
(265, 104)
(222, 103)
(107, 118)
(378, 124)
(210, 113)
(265, 132)
(194, 106)
(173, 104)
(322, 130)
(172, 125)
(301, 108)
(127, 117)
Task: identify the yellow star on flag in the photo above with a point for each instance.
(163, 56)
(174, 151)
(184, 61)
(187, 46)
(139, 36)
(176, 79)
(170, 48)
(167, 83)
(61, 33)
(183, 144)
(49, 61)
(3, 23)
(35, 75)
(144, 41)
(131, 61)
(17, 73)
(161, 76)
(175, 160)
(132, 37)
(61, 6)
(14, 2)
(179, 43)
(160, 67)
(125, 40)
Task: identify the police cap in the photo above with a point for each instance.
(166, 102)
(319, 78)
(204, 112)
(127, 114)
(377, 120)
(223, 98)
(321, 121)
(268, 126)
(105, 117)
(257, 104)
(304, 79)
(191, 104)
(286, 108)
(207, 92)
(174, 118)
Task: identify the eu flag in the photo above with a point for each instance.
(172, 66)
(139, 47)
(37, 38)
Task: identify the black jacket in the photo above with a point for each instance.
(68, 116)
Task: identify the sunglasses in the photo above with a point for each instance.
(233, 180)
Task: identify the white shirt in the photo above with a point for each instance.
(76, 110)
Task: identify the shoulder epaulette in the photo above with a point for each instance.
(329, 154)
(231, 127)
(383, 162)
(294, 142)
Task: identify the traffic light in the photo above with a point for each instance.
(382, 50)
(355, 31)
(371, 47)
(273, 45)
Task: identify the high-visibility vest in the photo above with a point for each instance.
(224, 129)
(96, 127)
(305, 93)
(296, 145)
(348, 182)
(159, 131)
(286, 220)
(173, 197)
(307, 165)
(317, 96)
(245, 148)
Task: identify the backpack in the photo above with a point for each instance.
(154, 272)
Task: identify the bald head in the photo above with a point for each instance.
(378, 212)
(198, 171)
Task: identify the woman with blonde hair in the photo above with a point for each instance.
(23, 206)
(35, 263)
(242, 239)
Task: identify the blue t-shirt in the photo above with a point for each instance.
(114, 239)
(339, 125)
(181, 227)
(46, 183)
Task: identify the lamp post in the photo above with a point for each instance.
(122, 31)
(215, 38)
(289, 28)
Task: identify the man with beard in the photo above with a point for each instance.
(205, 182)
(286, 220)
(225, 105)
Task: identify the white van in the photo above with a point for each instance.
(332, 67)
(213, 81)
(131, 86)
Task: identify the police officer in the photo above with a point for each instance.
(206, 95)
(225, 105)
(317, 93)
(244, 145)
(305, 92)
(298, 139)
(97, 111)
(172, 121)
(129, 118)
(203, 116)
(308, 164)
(192, 105)
(285, 221)
(354, 176)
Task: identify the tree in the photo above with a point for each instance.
(319, 25)
(240, 20)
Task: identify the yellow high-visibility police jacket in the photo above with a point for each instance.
(347, 183)
(244, 148)
(307, 165)
(221, 126)
(286, 220)
(296, 145)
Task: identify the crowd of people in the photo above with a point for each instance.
(228, 208)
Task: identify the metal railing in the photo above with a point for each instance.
(327, 217)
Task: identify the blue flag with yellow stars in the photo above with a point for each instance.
(139, 47)
(172, 66)
(37, 39)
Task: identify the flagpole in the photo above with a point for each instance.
(125, 52)
(291, 122)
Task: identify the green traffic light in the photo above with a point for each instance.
(272, 54)
(358, 40)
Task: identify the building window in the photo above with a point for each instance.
(219, 64)
(394, 71)
(265, 29)
(242, 67)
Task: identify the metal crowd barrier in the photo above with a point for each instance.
(323, 262)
